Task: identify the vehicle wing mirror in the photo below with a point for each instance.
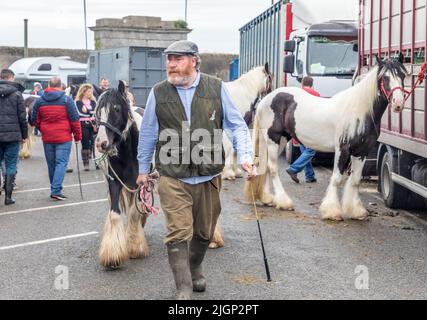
(290, 46)
(289, 64)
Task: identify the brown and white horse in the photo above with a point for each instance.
(347, 124)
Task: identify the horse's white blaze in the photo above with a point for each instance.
(397, 99)
(102, 133)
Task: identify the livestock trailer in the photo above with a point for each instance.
(141, 67)
(388, 28)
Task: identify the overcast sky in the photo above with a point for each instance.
(60, 24)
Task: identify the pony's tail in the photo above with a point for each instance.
(254, 187)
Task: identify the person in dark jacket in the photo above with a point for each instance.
(56, 116)
(13, 127)
(86, 104)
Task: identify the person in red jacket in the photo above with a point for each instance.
(57, 118)
(307, 154)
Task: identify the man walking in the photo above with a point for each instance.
(189, 105)
(13, 128)
(56, 116)
(307, 154)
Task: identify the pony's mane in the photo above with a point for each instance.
(357, 102)
(252, 79)
(246, 88)
(105, 98)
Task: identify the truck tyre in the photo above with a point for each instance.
(394, 195)
(292, 153)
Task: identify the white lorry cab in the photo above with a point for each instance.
(325, 51)
(41, 69)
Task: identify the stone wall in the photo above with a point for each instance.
(216, 64)
(8, 55)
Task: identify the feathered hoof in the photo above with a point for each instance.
(138, 251)
(359, 213)
(267, 200)
(331, 212)
(218, 239)
(228, 174)
(112, 263)
(113, 251)
(283, 204)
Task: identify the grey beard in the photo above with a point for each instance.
(180, 81)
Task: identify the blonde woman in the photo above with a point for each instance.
(86, 103)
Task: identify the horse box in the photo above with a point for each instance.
(141, 67)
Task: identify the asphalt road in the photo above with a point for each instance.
(48, 250)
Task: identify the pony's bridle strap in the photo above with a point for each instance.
(388, 95)
(109, 126)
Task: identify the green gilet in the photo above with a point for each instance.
(187, 150)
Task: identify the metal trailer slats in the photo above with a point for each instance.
(389, 27)
(262, 40)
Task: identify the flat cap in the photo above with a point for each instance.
(182, 47)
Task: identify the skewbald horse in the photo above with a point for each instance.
(118, 140)
(347, 124)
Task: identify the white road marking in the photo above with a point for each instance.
(48, 240)
(53, 207)
(69, 186)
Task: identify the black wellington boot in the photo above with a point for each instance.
(8, 200)
(179, 262)
(198, 249)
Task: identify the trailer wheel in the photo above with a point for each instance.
(292, 152)
(394, 195)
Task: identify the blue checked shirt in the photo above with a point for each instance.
(232, 122)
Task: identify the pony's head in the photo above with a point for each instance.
(268, 80)
(114, 118)
(391, 81)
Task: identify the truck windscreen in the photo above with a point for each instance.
(329, 55)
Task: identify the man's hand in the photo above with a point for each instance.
(250, 170)
(142, 180)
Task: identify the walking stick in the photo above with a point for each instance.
(267, 269)
(78, 170)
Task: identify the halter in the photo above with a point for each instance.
(406, 93)
(111, 127)
(114, 129)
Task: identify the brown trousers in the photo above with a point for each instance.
(190, 210)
